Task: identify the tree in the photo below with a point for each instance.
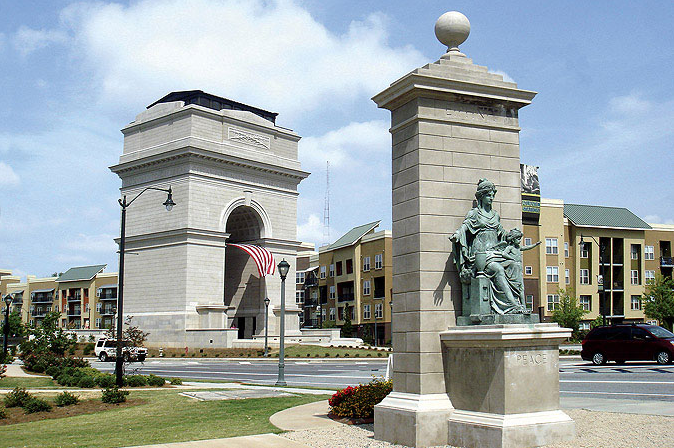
(569, 313)
(16, 327)
(347, 328)
(131, 333)
(47, 344)
(658, 301)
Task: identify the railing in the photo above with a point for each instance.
(309, 303)
(107, 297)
(345, 297)
(75, 312)
(666, 262)
(42, 299)
(618, 286)
(38, 313)
(74, 298)
(108, 311)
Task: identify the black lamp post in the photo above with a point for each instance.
(375, 322)
(266, 326)
(600, 286)
(320, 315)
(283, 268)
(119, 361)
(8, 302)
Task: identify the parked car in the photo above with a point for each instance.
(622, 343)
(106, 349)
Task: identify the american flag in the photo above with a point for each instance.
(262, 257)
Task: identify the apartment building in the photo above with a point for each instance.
(85, 296)
(605, 255)
(352, 275)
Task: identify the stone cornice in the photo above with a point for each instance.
(206, 155)
(417, 85)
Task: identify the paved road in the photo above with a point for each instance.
(578, 379)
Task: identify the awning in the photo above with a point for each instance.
(107, 286)
(16, 293)
(42, 290)
(308, 270)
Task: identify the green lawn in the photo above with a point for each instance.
(167, 417)
(29, 383)
(311, 351)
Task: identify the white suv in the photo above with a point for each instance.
(106, 349)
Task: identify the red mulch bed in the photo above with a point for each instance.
(18, 415)
(351, 420)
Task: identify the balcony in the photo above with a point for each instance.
(42, 299)
(345, 297)
(38, 313)
(666, 262)
(310, 303)
(74, 298)
(108, 311)
(76, 312)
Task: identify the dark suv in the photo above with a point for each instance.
(621, 343)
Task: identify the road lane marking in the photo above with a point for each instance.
(613, 393)
(615, 382)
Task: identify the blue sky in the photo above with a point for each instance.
(74, 73)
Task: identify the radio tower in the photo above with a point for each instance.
(326, 207)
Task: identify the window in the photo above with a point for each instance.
(366, 264)
(332, 314)
(551, 246)
(332, 269)
(332, 292)
(634, 277)
(349, 266)
(649, 253)
(585, 250)
(86, 307)
(584, 276)
(56, 308)
(338, 267)
(378, 261)
(529, 301)
(98, 307)
(586, 302)
(527, 241)
(322, 271)
(378, 311)
(528, 270)
(366, 287)
(299, 278)
(98, 322)
(299, 296)
(366, 312)
(635, 303)
(567, 277)
(552, 274)
(340, 313)
(379, 287)
(566, 249)
(634, 253)
(553, 302)
(583, 325)
(649, 277)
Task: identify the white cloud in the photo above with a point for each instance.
(27, 40)
(506, 77)
(7, 175)
(91, 243)
(656, 219)
(343, 147)
(630, 104)
(271, 53)
(311, 230)
(71, 258)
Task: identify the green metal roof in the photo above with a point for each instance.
(81, 273)
(598, 216)
(352, 236)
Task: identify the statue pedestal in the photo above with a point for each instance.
(503, 381)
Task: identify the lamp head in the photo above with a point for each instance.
(8, 300)
(169, 201)
(581, 240)
(266, 301)
(283, 268)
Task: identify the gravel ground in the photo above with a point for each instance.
(594, 430)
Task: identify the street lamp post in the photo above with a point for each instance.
(8, 302)
(283, 268)
(119, 361)
(318, 310)
(266, 326)
(602, 306)
(375, 323)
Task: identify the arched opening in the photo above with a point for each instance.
(244, 289)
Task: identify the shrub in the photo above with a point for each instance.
(88, 348)
(114, 395)
(155, 381)
(36, 405)
(176, 381)
(3, 412)
(136, 380)
(105, 380)
(359, 402)
(38, 367)
(66, 399)
(86, 382)
(17, 397)
(53, 371)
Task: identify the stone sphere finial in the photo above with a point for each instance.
(452, 29)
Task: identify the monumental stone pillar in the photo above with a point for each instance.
(452, 123)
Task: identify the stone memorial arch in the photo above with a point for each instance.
(234, 175)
